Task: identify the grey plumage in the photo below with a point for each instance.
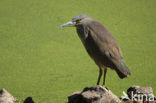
(100, 45)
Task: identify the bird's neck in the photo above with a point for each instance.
(82, 32)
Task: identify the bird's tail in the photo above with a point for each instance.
(122, 70)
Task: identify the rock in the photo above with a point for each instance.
(139, 90)
(6, 97)
(137, 94)
(29, 100)
(96, 94)
(143, 93)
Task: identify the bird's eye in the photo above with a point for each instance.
(77, 21)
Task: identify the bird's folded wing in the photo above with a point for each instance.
(108, 47)
(105, 42)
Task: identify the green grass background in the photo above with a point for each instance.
(37, 59)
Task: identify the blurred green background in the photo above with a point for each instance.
(39, 60)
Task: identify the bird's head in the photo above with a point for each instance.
(77, 20)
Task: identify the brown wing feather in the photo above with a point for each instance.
(109, 48)
(105, 41)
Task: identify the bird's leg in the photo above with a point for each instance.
(100, 74)
(104, 77)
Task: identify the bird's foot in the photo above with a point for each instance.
(105, 87)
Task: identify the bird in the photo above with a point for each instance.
(100, 44)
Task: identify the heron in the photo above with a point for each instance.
(100, 44)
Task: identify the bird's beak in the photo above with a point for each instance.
(68, 24)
